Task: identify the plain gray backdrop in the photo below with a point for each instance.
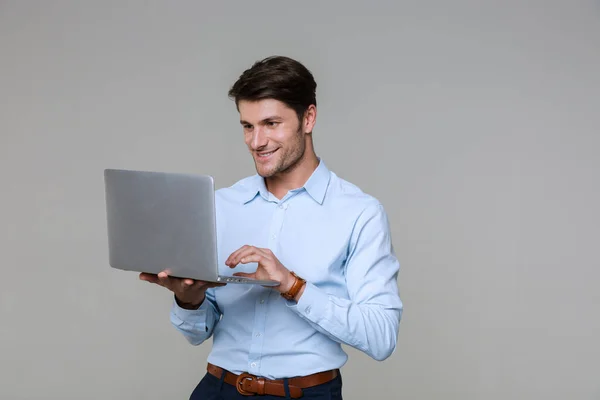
(476, 123)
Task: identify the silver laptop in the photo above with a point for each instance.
(164, 221)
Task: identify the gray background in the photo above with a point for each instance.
(475, 123)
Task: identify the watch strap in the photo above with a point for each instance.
(296, 286)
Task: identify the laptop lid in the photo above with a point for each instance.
(160, 220)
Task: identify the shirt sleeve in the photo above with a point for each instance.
(369, 319)
(196, 325)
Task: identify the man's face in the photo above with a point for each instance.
(273, 135)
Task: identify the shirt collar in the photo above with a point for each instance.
(315, 186)
(256, 185)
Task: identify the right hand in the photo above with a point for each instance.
(188, 292)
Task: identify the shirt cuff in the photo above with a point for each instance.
(191, 317)
(311, 303)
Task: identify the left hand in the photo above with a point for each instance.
(269, 267)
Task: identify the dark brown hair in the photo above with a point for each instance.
(280, 78)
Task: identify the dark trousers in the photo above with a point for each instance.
(213, 388)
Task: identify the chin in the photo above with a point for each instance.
(264, 171)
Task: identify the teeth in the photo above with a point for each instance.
(265, 154)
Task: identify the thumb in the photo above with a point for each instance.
(244, 275)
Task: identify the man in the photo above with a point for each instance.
(326, 242)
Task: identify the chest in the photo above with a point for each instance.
(306, 237)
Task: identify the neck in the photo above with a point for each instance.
(295, 177)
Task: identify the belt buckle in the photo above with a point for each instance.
(240, 381)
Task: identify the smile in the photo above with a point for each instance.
(265, 155)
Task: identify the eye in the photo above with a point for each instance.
(247, 127)
(272, 124)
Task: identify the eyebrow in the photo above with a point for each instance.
(264, 120)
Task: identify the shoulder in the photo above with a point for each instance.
(366, 213)
(237, 190)
(345, 194)
(363, 210)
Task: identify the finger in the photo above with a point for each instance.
(164, 279)
(253, 257)
(265, 252)
(253, 251)
(164, 273)
(152, 278)
(234, 255)
(186, 284)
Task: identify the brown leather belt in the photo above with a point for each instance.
(250, 385)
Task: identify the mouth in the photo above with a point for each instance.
(265, 155)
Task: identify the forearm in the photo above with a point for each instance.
(196, 325)
(370, 327)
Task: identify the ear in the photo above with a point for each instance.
(309, 120)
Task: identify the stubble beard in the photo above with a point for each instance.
(288, 161)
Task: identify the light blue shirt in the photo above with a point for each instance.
(330, 233)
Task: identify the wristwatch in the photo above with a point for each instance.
(296, 286)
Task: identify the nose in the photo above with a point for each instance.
(258, 139)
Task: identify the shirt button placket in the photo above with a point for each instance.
(258, 336)
(276, 224)
(257, 341)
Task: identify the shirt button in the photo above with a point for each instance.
(258, 335)
(262, 301)
(308, 310)
(253, 365)
(273, 236)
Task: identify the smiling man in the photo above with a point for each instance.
(325, 241)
